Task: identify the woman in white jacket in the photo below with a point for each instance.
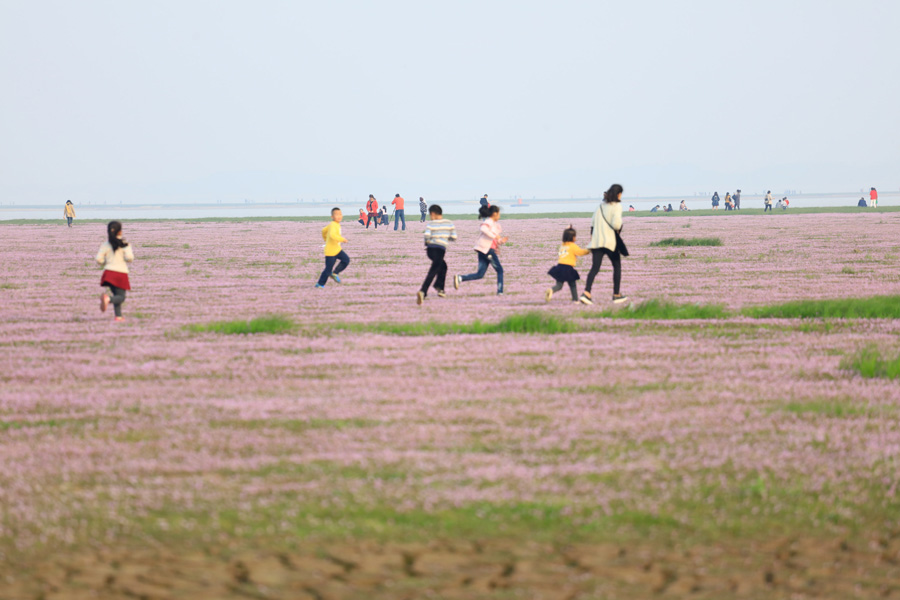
(606, 222)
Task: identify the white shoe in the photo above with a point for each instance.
(420, 297)
(585, 300)
(456, 280)
(548, 294)
(619, 298)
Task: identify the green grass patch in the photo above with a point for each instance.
(662, 310)
(296, 425)
(533, 322)
(871, 364)
(708, 241)
(875, 307)
(830, 408)
(9, 425)
(266, 324)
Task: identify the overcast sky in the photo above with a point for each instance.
(188, 100)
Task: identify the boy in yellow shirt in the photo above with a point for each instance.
(331, 233)
(564, 271)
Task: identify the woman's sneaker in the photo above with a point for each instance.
(619, 298)
(548, 294)
(585, 299)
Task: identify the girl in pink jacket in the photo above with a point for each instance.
(486, 248)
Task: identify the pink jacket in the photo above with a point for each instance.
(490, 232)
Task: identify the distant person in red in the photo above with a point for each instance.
(362, 217)
(399, 213)
(372, 210)
(873, 198)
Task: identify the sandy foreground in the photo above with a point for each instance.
(352, 458)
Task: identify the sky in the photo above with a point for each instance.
(206, 101)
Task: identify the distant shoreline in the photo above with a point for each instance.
(507, 215)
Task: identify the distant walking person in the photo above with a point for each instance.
(768, 201)
(331, 233)
(873, 198)
(372, 210)
(715, 201)
(399, 213)
(69, 211)
(114, 255)
(423, 208)
(605, 226)
(564, 271)
(483, 204)
(737, 200)
(438, 234)
(486, 248)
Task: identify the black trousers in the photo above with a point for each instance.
(116, 297)
(615, 258)
(438, 270)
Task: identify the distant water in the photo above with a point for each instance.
(308, 209)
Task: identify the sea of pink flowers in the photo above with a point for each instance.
(111, 421)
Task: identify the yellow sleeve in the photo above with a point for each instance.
(325, 232)
(579, 251)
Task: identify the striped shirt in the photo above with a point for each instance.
(439, 232)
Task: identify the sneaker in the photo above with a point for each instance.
(442, 294)
(336, 278)
(585, 299)
(104, 302)
(320, 287)
(420, 297)
(456, 280)
(120, 318)
(548, 294)
(619, 298)
(499, 293)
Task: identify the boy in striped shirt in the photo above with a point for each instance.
(438, 233)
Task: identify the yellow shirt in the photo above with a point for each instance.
(331, 233)
(569, 253)
(70, 210)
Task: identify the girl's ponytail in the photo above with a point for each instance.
(113, 229)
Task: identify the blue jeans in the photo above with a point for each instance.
(399, 214)
(329, 266)
(69, 221)
(484, 260)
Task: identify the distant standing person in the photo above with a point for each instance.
(331, 233)
(399, 214)
(715, 200)
(607, 222)
(873, 198)
(372, 211)
(114, 255)
(483, 204)
(737, 200)
(423, 208)
(438, 234)
(768, 201)
(486, 248)
(69, 212)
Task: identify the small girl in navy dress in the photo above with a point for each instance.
(564, 271)
(114, 256)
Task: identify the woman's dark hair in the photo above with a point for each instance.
(486, 211)
(568, 234)
(113, 229)
(612, 194)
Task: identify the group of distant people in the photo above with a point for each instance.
(731, 202)
(873, 199)
(378, 215)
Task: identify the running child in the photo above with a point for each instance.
(114, 256)
(331, 233)
(564, 271)
(486, 249)
(438, 233)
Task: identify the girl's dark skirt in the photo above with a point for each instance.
(564, 273)
(119, 280)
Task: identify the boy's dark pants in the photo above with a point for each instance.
(342, 259)
(438, 269)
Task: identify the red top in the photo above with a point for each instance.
(398, 203)
(372, 206)
(873, 195)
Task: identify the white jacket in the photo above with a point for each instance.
(602, 235)
(490, 231)
(115, 261)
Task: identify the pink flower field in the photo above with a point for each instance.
(732, 437)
